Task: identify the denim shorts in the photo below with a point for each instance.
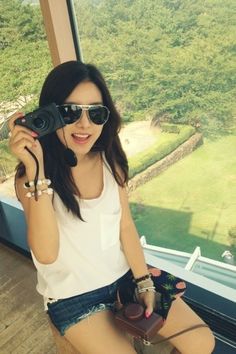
(64, 313)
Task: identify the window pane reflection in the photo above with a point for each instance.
(170, 67)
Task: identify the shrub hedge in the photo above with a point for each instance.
(165, 144)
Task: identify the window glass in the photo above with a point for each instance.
(170, 67)
(224, 276)
(25, 61)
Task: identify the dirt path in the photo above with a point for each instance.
(135, 137)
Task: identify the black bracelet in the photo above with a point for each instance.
(144, 277)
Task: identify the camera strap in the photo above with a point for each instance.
(177, 334)
(36, 177)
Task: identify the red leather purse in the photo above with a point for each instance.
(132, 320)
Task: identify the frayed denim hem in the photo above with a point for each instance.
(93, 310)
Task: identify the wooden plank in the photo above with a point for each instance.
(20, 340)
(23, 322)
(14, 328)
(35, 342)
(16, 300)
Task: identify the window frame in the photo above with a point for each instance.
(61, 30)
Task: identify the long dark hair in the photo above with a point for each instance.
(58, 85)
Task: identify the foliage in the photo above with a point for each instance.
(171, 57)
(170, 128)
(165, 144)
(20, 22)
(160, 57)
(21, 83)
(24, 55)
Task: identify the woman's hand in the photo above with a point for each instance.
(148, 299)
(20, 138)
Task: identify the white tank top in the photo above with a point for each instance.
(90, 253)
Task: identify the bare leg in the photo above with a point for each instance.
(180, 317)
(98, 334)
(62, 344)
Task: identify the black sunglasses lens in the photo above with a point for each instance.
(70, 114)
(98, 115)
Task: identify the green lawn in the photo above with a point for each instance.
(193, 203)
(7, 160)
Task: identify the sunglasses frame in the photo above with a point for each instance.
(85, 107)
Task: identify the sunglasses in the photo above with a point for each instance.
(97, 114)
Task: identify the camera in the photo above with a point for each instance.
(44, 120)
(132, 320)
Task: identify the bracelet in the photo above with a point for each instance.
(146, 276)
(145, 283)
(39, 193)
(29, 184)
(144, 290)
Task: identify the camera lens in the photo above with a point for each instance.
(41, 123)
(38, 123)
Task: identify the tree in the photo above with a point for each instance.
(25, 59)
(172, 58)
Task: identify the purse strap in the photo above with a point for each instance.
(181, 332)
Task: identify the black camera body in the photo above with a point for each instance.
(43, 121)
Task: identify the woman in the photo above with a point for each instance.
(81, 234)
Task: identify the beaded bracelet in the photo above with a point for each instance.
(39, 193)
(144, 277)
(40, 182)
(148, 288)
(145, 283)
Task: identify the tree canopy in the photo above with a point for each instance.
(172, 58)
(169, 59)
(24, 54)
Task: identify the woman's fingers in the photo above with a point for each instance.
(17, 132)
(21, 135)
(12, 119)
(19, 145)
(13, 128)
(19, 140)
(149, 307)
(18, 128)
(148, 310)
(148, 299)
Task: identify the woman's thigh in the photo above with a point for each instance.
(97, 334)
(181, 317)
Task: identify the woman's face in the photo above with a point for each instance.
(81, 135)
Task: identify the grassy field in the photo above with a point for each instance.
(7, 161)
(193, 203)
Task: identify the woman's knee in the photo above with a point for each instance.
(201, 341)
(205, 341)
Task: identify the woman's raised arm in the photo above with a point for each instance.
(42, 230)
